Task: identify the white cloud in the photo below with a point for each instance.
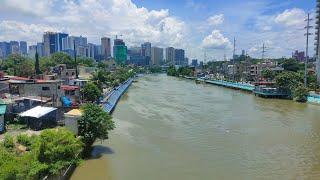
(13, 30)
(216, 40)
(291, 17)
(30, 7)
(216, 19)
(97, 18)
(195, 5)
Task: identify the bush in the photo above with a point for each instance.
(8, 142)
(300, 94)
(24, 140)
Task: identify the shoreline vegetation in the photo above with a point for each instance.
(289, 81)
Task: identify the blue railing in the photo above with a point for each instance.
(113, 99)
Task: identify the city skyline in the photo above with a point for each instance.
(277, 24)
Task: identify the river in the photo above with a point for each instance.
(175, 129)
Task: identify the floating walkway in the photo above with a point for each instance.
(233, 85)
(314, 98)
(115, 95)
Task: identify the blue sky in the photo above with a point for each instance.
(196, 25)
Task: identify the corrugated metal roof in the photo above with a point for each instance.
(37, 112)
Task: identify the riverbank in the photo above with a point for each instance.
(312, 98)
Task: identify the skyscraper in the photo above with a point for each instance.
(80, 44)
(40, 48)
(156, 56)
(120, 51)
(170, 56)
(23, 48)
(14, 47)
(106, 47)
(317, 38)
(49, 41)
(91, 52)
(146, 52)
(59, 37)
(5, 49)
(179, 56)
(32, 51)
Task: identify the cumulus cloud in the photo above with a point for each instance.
(216, 40)
(291, 17)
(30, 7)
(216, 19)
(96, 18)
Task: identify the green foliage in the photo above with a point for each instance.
(52, 151)
(292, 65)
(172, 71)
(58, 149)
(46, 63)
(18, 65)
(91, 92)
(8, 142)
(62, 58)
(289, 80)
(300, 94)
(88, 62)
(94, 124)
(155, 69)
(101, 77)
(268, 74)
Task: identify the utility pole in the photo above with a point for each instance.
(263, 51)
(307, 49)
(233, 56)
(75, 58)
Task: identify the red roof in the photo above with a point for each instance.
(69, 88)
(17, 78)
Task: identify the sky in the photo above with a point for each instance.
(198, 26)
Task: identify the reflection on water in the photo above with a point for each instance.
(169, 128)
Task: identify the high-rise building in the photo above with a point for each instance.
(179, 56)
(32, 51)
(40, 48)
(194, 62)
(14, 47)
(170, 56)
(317, 38)
(5, 49)
(146, 52)
(156, 56)
(120, 51)
(98, 53)
(59, 37)
(106, 47)
(23, 48)
(91, 52)
(49, 41)
(80, 43)
(136, 57)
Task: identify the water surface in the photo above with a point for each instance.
(170, 128)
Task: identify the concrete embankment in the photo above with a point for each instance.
(115, 95)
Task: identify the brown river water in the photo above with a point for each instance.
(175, 129)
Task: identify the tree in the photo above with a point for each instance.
(37, 64)
(300, 94)
(292, 65)
(58, 149)
(91, 92)
(62, 58)
(171, 71)
(289, 80)
(88, 62)
(268, 74)
(18, 65)
(94, 124)
(46, 64)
